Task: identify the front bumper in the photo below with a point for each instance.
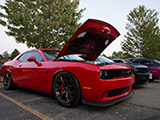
(107, 103)
(142, 78)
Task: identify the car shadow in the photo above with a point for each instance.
(138, 87)
(155, 81)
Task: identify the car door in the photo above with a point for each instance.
(31, 74)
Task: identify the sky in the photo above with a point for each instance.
(113, 12)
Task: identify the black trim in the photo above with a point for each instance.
(107, 103)
(34, 91)
(119, 91)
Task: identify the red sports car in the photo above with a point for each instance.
(73, 75)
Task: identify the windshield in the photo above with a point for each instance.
(157, 61)
(83, 58)
(50, 54)
(122, 61)
(71, 58)
(128, 61)
(104, 60)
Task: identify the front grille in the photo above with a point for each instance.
(115, 92)
(116, 73)
(143, 70)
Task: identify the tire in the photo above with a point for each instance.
(151, 80)
(8, 82)
(66, 89)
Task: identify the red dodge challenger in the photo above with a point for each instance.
(73, 75)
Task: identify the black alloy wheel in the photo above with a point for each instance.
(66, 89)
(7, 82)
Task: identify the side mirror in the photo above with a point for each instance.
(33, 59)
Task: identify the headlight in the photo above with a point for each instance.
(135, 70)
(129, 72)
(103, 74)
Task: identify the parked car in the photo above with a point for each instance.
(142, 74)
(70, 78)
(154, 66)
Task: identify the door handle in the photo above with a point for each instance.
(20, 65)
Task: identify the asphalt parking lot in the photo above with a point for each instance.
(25, 105)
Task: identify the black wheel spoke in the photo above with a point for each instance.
(70, 94)
(7, 76)
(59, 87)
(63, 96)
(7, 81)
(61, 80)
(8, 84)
(67, 97)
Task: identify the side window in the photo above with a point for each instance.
(37, 56)
(156, 64)
(25, 56)
(148, 63)
(118, 61)
(135, 61)
(50, 54)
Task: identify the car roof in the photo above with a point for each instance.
(41, 49)
(140, 59)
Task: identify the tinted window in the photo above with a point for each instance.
(148, 63)
(50, 54)
(156, 64)
(118, 61)
(25, 56)
(135, 61)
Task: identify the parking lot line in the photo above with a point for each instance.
(38, 114)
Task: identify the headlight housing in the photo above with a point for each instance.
(135, 70)
(103, 74)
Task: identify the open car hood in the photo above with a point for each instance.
(90, 39)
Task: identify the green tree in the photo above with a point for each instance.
(6, 55)
(143, 36)
(41, 23)
(14, 53)
(1, 57)
(117, 55)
